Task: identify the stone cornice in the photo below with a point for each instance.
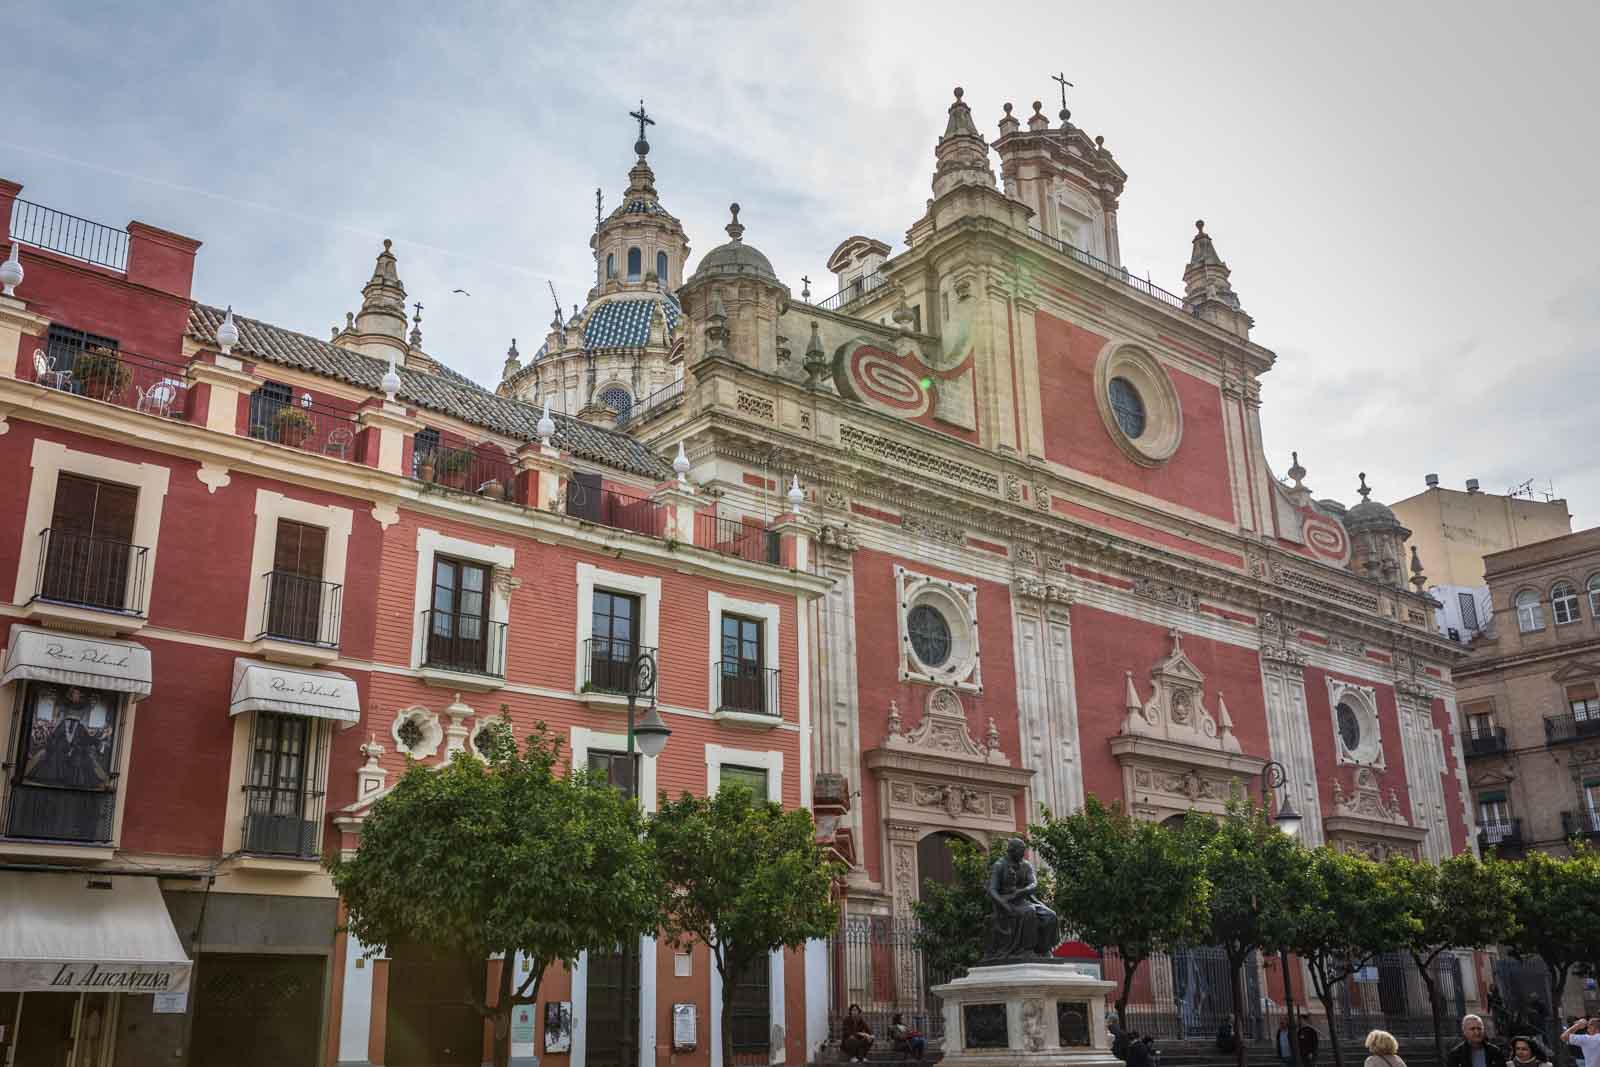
(1171, 753)
(948, 768)
(1356, 826)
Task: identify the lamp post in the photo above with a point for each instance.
(1273, 778)
(650, 734)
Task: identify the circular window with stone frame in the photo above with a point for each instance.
(1355, 724)
(939, 636)
(1138, 404)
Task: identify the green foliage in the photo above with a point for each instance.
(1345, 913)
(1256, 873)
(1555, 900)
(501, 855)
(1125, 884)
(954, 918)
(742, 876)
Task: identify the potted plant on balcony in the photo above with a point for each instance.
(452, 466)
(294, 425)
(102, 375)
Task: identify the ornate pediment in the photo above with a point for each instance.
(1369, 820)
(943, 732)
(1176, 709)
(1576, 669)
(1366, 800)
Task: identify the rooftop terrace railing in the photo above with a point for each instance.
(1110, 270)
(92, 242)
(856, 290)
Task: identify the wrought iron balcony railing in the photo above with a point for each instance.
(91, 572)
(1490, 743)
(56, 813)
(282, 824)
(735, 538)
(93, 242)
(301, 609)
(652, 405)
(856, 290)
(1584, 822)
(744, 687)
(1505, 835)
(1559, 729)
(608, 507)
(463, 643)
(606, 666)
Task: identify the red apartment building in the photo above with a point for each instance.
(248, 574)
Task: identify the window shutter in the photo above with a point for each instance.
(1497, 797)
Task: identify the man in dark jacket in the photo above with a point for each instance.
(1475, 1049)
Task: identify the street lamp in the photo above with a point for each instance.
(1273, 778)
(650, 732)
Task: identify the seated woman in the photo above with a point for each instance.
(856, 1041)
(906, 1040)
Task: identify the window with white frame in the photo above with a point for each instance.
(284, 788)
(744, 637)
(1356, 731)
(64, 763)
(1530, 613)
(1564, 603)
(938, 623)
(461, 608)
(1584, 702)
(1494, 815)
(618, 617)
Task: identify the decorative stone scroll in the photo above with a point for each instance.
(943, 730)
(1369, 821)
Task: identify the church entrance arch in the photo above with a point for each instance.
(936, 862)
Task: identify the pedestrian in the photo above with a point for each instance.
(857, 1039)
(1383, 1049)
(1285, 1048)
(1226, 1041)
(1475, 1049)
(1309, 1040)
(1139, 1051)
(1527, 1052)
(1587, 1041)
(906, 1040)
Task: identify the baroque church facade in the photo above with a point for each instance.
(1060, 562)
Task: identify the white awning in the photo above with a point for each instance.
(59, 933)
(73, 659)
(259, 686)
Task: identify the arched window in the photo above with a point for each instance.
(635, 259)
(1594, 597)
(1530, 615)
(617, 399)
(661, 268)
(611, 264)
(1564, 603)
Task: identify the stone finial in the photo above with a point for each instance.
(1130, 695)
(894, 719)
(1296, 471)
(227, 333)
(513, 360)
(546, 427)
(816, 363)
(1009, 124)
(11, 270)
(1207, 291)
(680, 463)
(796, 495)
(962, 154)
(1418, 578)
(902, 315)
(991, 737)
(735, 228)
(391, 382)
(1037, 122)
(1365, 490)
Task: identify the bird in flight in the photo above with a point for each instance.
(463, 292)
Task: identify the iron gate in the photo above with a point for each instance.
(878, 965)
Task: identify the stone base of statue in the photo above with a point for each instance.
(1026, 1013)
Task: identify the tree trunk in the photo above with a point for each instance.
(1323, 988)
(729, 974)
(501, 1016)
(1129, 969)
(1435, 1006)
(1288, 1008)
(1236, 975)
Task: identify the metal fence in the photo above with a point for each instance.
(92, 242)
(878, 965)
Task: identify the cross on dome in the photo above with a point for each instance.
(642, 147)
(1065, 85)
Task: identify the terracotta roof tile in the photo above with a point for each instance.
(448, 392)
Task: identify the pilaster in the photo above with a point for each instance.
(796, 535)
(217, 388)
(384, 431)
(17, 322)
(680, 502)
(542, 475)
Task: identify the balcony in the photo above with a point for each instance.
(463, 652)
(284, 825)
(732, 537)
(57, 814)
(1560, 729)
(1492, 743)
(482, 469)
(607, 664)
(657, 402)
(115, 376)
(1583, 823)
(1111, 271)
(300, 617)
(84, 579)
(856, 290)
(308, 427)
(608, 507)
(1504, 837)
(746, 693)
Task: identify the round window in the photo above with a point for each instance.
(617, 399)
(1349, 727)
(930, 635)
(1128, 407)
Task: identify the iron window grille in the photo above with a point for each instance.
(283, 796)
(63, 776)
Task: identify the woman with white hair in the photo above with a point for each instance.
(1384, 1050)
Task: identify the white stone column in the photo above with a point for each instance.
(1289, 734)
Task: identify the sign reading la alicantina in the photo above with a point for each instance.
(108, 975)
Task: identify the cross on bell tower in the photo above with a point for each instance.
(1061, 77)
(642, 146)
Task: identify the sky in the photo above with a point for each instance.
(1405, 192)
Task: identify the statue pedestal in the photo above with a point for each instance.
(1026, 1015)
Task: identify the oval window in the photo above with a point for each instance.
(930, 635)
(1128, 406)
(1349, 727)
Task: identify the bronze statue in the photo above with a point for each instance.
(1021, 927)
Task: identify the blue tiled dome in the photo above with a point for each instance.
(625, 322)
